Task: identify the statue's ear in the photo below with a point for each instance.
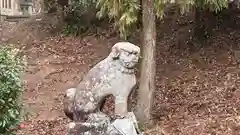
(115, 52)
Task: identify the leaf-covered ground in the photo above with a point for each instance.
(197, 89)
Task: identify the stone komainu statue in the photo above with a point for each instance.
(112, 76)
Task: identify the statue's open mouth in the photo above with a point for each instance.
(129, 65)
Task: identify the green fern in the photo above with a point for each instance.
(125, 13)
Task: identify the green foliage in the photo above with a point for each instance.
(78, 16)
(160, 6)
(10, 88)
(212, 5)
(50, 5)
(123, 12)
(186, 5)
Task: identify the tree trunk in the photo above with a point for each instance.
(148, 64)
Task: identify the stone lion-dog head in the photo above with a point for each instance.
(127, 54)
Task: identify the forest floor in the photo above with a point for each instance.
(197, 87)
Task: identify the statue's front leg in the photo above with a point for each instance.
(121, 106)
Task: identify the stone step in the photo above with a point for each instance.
(16, 18)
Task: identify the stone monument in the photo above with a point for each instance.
(112, 76)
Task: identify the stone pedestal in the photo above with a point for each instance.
(100, 124)
(2, 18)
(97, 124)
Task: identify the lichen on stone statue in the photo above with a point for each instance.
(112, 76)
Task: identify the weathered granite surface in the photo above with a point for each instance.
(112, 76)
